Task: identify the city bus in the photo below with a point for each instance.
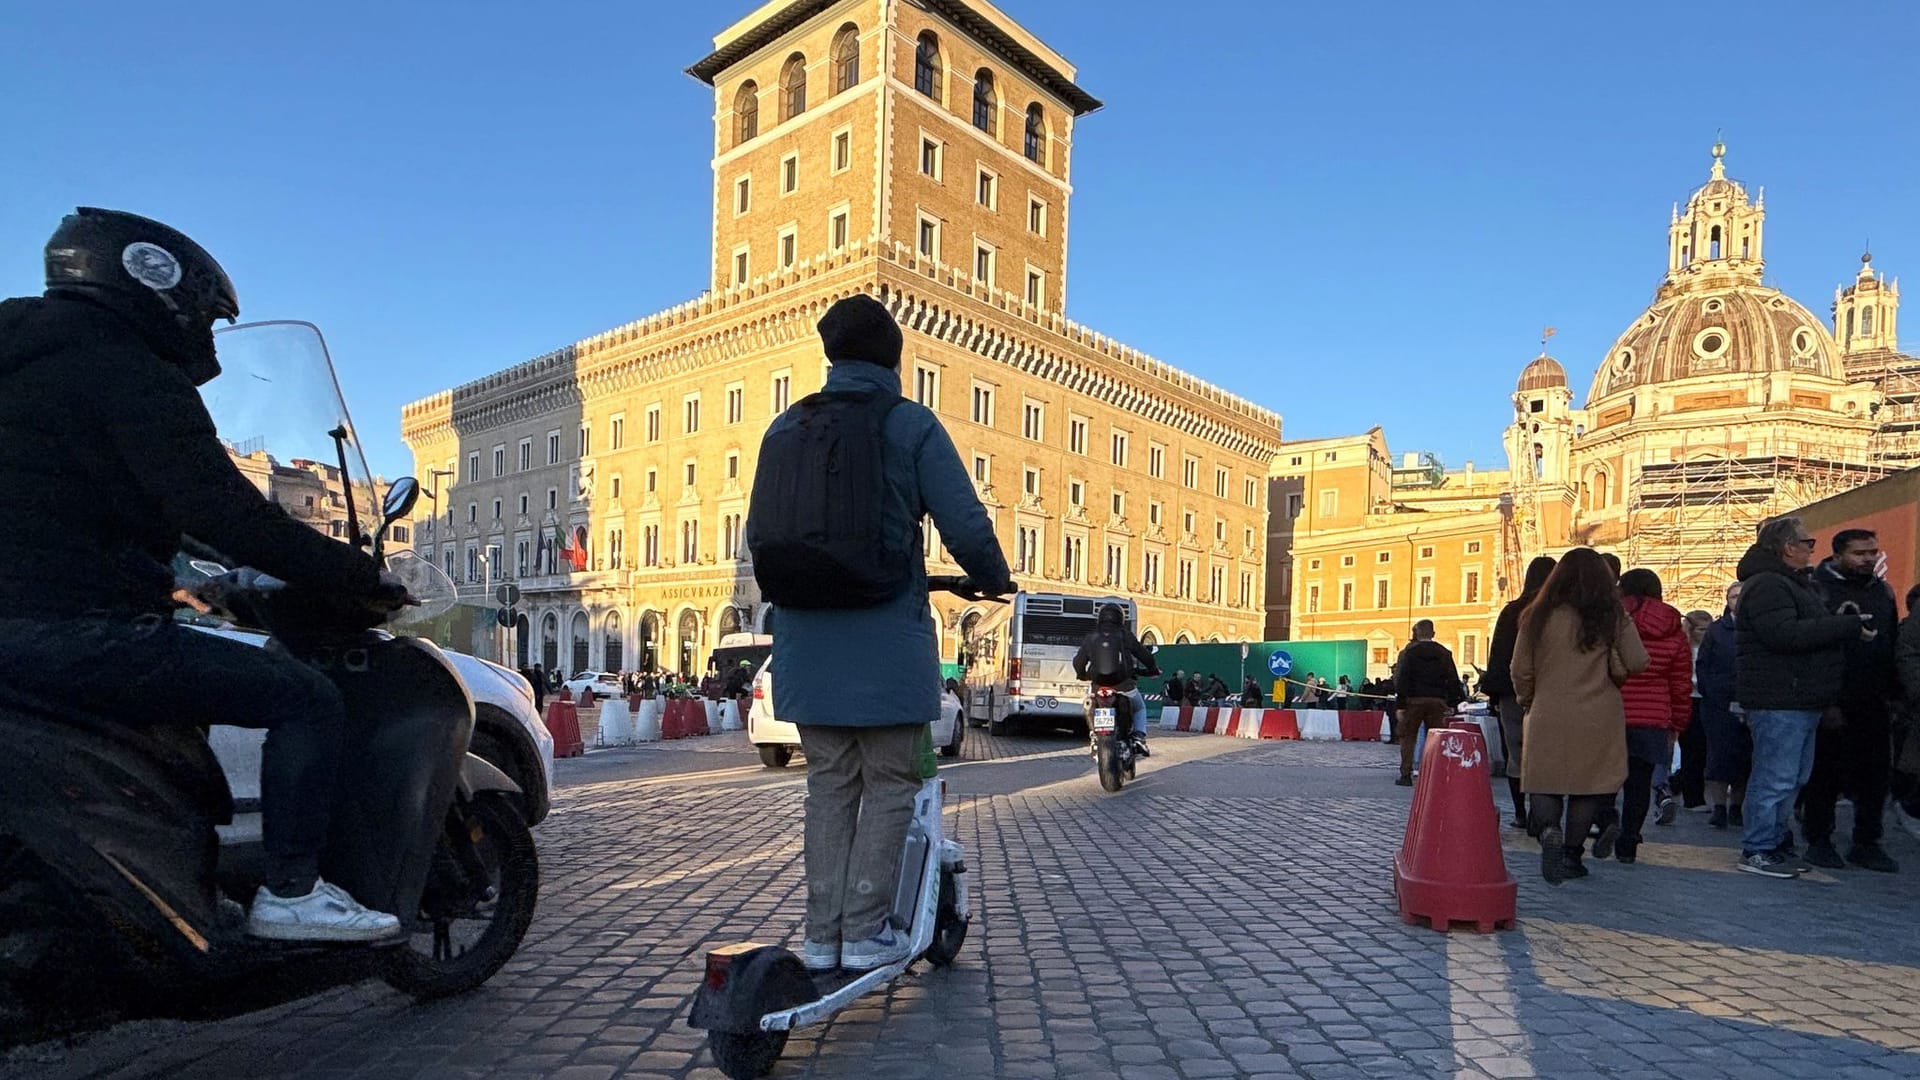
(1019, 659)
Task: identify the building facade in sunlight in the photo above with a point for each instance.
(1724, 403)
(920, 153)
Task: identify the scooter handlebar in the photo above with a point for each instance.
(962, 587)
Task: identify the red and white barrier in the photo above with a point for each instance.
(1318, 725)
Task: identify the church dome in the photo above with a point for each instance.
(1544, 373)
(1735, 330)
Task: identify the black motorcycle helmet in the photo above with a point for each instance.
(166, 285)
(1111, 617)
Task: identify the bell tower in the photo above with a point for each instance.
(1720, 232)
(1866, 312)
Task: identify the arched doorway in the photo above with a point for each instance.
(522, 643)
(729, 621)
(616, 653)
(650, 640)
(689, 640)
(550, 641)
(578, 639)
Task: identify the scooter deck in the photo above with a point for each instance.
(837, 990)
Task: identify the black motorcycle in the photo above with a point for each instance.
(113, 873)
(1113, 755)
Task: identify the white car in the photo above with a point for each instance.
(777, 740)
(605, 684)
(507, 732)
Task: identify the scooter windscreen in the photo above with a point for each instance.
(277, 405)
(426, 583)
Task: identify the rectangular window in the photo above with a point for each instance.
(1329, 502)
(619, 432)
(526, 454)
(982, 469)
(1248, 536)
(691, 420)
(1294, 505)
(1119, 504)
(1030, 481)
(585, 440)
(1252, 492)
(740, 265)
(1381, 591)
(1470, 587)
(1383, 557)
(926, 387)
(733, 465)
(1216, 585)
(1423, 591)
(789, 248)
(693, 473)
(742, 195)
(520, 559)
(933, 157)
(988, 190)
(1076, 493)
(1346, 560)
(842, 151)
(553, 498)
(782, 394)
(1473, 547)
(983, 405)
(985, 259)
(930, 237)
(650, 545)
(1027, 549)
(790, 174)
(653, 481)
(499, 461)
(553, 448)
(1219, 483)
(1470, 649)
(1313, 599)
(1036, 288)
(1313, 564)
(736, 404)
(524, 499)
(497, 507)
(1120, 448)
(653, 423)
(1346, 596)
(689, 542)
(1426, 552)
(837, 231)
(1077, 434)
(1186, 578)
(1150, 573)
(1073, 559)
(1153, 514)
(1186, 523)
(1382, 656)
(1033, 421)
(1156, 461)
(1190, 472)
(616, 548)
(473, 467)
(1219, 532)
(1246, 588)
(1116, 566)
(1036, 216)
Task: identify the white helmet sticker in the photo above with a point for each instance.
(151, 265)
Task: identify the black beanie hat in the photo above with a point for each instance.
(861, 328)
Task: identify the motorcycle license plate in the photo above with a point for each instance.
(1103, 720)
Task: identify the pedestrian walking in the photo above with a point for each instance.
(1792, 664)
(1658, 703)
(1853, 751)
(1497, 682)
(1429, 688)
(1576, 647)
(1729, 743)
(1690, 783)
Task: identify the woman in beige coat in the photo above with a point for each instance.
(1576, 647)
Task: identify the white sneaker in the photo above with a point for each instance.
(325, 914)
(890, 947)
(820, 956)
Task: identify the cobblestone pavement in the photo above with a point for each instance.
(1229, 914)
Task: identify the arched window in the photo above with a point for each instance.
(1866, 321)
(926, 65)
(986, 105)
(729, 621)
(746, 112)
(649, 640)
(616, 653)
(550, 641)
(689, 640)
(1713, 243)
(522, 642)
(1036, 143)
(846, 58)
(1183, 638)
(1149, 638)
(793, 87)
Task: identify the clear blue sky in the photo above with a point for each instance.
(1354, 214)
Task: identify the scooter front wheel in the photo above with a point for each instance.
(949, 924)
(438, 962)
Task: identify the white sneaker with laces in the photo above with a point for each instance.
(820, 955)
(325, 914)
(891, 946)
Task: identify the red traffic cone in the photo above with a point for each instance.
(1450, 867)
(563, 723)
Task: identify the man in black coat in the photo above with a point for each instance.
(1497, 682)
(1792, 666)
(1857, 755)
(1427, 682)
(110, 459)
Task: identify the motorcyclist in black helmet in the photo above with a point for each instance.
(107, 459)
(1112, 656)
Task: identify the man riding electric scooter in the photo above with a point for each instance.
(110, 458)
(1111, 656)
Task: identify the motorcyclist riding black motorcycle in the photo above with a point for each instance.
(1112, 656)
(109, 460)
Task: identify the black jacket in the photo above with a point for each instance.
(1112, 656)
(1426, 669)
(1792, 649)
(1869, 673)
(1716, 665)
(108, 456)
(1497, 680)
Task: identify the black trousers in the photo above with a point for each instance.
(147, 670)
(1691, 781)
(1578, 812)
(1644, 749)
(1856, 760)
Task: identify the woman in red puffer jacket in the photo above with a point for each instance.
(1659, 700)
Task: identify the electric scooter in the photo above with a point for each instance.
(754, 996)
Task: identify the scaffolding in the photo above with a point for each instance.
(1692, 519)
(1896, 443)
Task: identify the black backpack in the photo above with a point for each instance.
(817, 531)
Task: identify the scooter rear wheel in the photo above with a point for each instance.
(1108, 759)
(748, 1055)
(504, 846)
